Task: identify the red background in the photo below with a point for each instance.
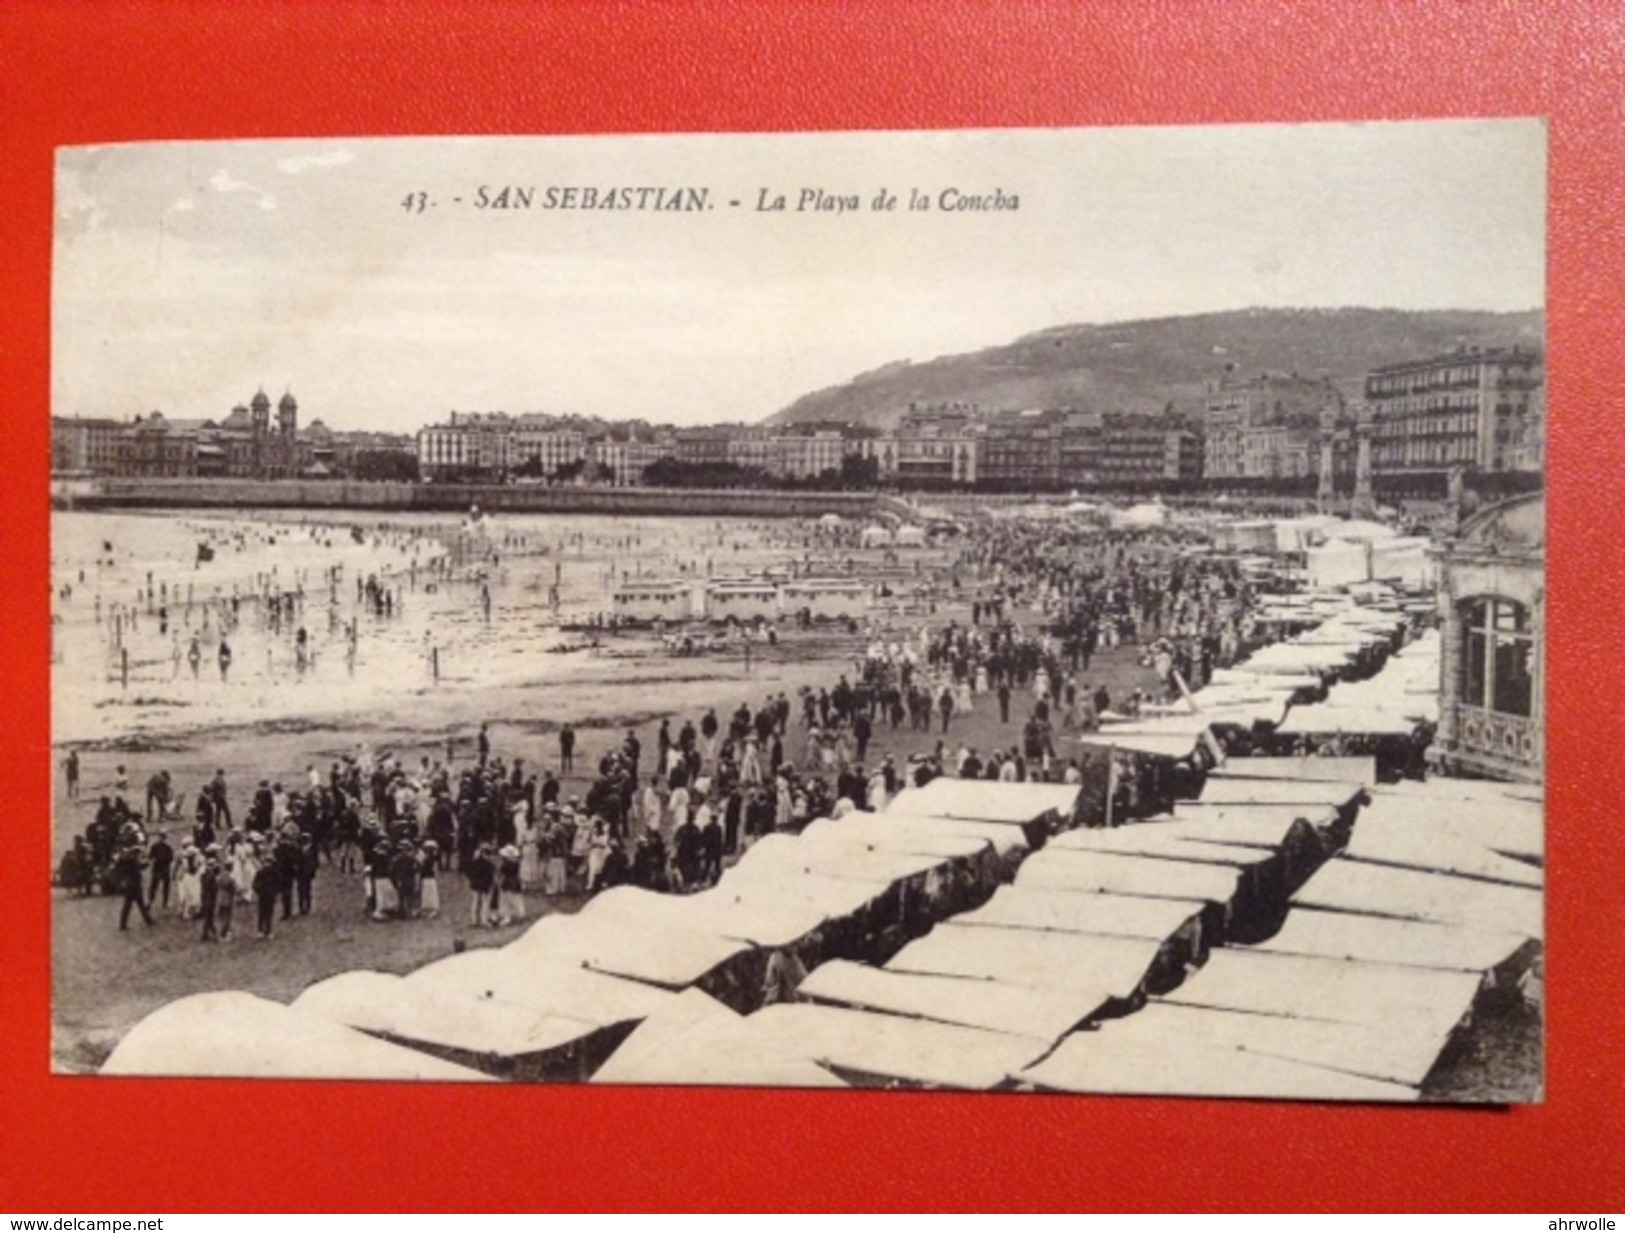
(77, 73)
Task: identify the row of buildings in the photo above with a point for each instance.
(1471, 410)
(246, 443)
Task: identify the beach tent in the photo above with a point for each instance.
(875, 536)
(830, 520)
(1112, 874)
(1144, 516)
(533, 977)
(1187, 925)
(1280, 792)
(631, 935)
(1362, 771)
(1429, 1001)
(909, 536)
(1038, 809)
(500, 1038)
(1390, 1054)
(1410, 943)
(1501, 817)
(1020, 907)
(994, 1005)
(1396, 840)
(1093, 965)
(1120, 1061)
(239, 1035)
(886, 1050)
(698, 1040)
(1344, 885)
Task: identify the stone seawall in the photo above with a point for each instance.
(312, 494)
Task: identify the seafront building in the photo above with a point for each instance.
(1476, 409)
(1416, 422)
(244, 444)
(1492, 610)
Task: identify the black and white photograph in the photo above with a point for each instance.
(1026, 611)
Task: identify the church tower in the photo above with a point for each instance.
(287, 420)
(260, 414)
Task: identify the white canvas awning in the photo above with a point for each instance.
(1110, 873)
(885, 1048)
(1383, 939)
(1091, 964)
(1428, 1001)
(1390, 1054)
(1412, 894)
(241, 1036)
(1362, 771)
(1414, 844)
(417, 1015)
(532, 978)
(697, 1040)
(984, 800)
(994, 1005)
(1118, 1062)
(1132, 916)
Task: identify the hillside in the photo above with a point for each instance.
(1141, 366)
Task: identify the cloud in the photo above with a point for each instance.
(267, 202)
(184, 204)
(304, 162)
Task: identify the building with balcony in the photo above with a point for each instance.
(931, 448)
(1472, 408)
(1264, 427)
(1492, 609)
(85, 444)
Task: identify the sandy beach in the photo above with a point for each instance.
(521, 674)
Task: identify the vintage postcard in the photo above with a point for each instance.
(1007, 610)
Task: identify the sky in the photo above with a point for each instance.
(189, 275)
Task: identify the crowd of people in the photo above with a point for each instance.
(670, 815)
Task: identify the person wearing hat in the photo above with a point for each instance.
(428, 879)
(209, 897)
(481, 875)
(162, 857)
(267, 884)
(403, 876)
(127, 870)
(511, 891)
(227, 897)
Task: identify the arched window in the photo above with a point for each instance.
(1498, 657)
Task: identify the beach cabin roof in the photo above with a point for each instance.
(382, 1004)
(1160, 841)
(1383, 939)
(999, 1006)
(1113, 874)
(1496, 816)
(1343, 885)
(239, 1035)
(530, 977)
(1122, 1062)
(1428, 1001)
(1336, 770)
(1220, 791)
(1392, 839)
(886, 1048)
(987, 800)
(1092, 964)
(634, 939)
(695, 1039)
(1024, 907)
(1384, 1054)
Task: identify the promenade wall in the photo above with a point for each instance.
(132, 493)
